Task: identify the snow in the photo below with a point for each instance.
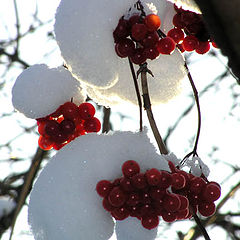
(6, 206)
(187, 5)
(131, 229)
(84, 35)
(64, 204)
(39, 90)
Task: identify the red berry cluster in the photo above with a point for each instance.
(190, 30)
(138, 39)
(65, 124)
(153, 194)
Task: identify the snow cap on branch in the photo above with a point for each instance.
(39, 90)
(84, 33)
(187, 5)
(64, 203)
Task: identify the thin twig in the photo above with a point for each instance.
(138, 94)
(147, 107)
(202, 228)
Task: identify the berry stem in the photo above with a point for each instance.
(138, 94)
(147, 106)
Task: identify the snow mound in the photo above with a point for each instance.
(39, 90)
(84, 35)
(131, 229)
(64, 204)
(187, 5)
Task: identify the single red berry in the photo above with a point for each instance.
(86, 110)
(130, 168)
(153, 22)
(133, 199)
(169, 216)
(171, 202)
(190, 43)
(139, 31)
(41, 127)
(182, 214)
(178, 181)
(177, 21)
(45, 143)
(134, 19)
(117, 197)
(184, 203)
(166, 45)
(120, 213)
(125, 48)
(104, 187)
(67, 126)
(165, 180)
(176, 34)
(203, 47)
(211, 192)
(197, 184)
(207, 209)
(139, 181)
(52, 128)
(157, 193)
(122, 30)
(138, 57)
(106, 205)
(69, 110)
(125, 184)
(150, 222)
(151, 53)
(150, 40)
(92, 125)
(153, 177)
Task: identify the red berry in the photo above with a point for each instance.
(120, 213)
(134, 211)
(134, 19)
(138, 57)
(86, 110)
(203, 47)
(121, 31)
(41, 127)
(130, 168)
(92, 125)
(183, 214)
(176, 34)
(67, 126)
(133, 199)
(211, 192)
(117, 197)
(139, 31)
(150, 40)
(45, 143)
(125, 48)
(139, 181)
(178, 181)
(58, 146)
(153, 177)
(157, 193)
(146, 198)
(69, 110)
(188, 17)
(215, 45)
(166, 45)
(190, 43)
(165, 180)
(52, 128)
(171, 203)
(152, 22)
(184, 203)
(150, 222)
(169, 216)
(60, 138)
(206, 209)
(177, 21)
(126, 185)
(106, 205)
(197, 184)
(103, 188)
(151, 53)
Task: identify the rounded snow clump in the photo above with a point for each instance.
(64, 203)
(187, 5)
(39, 90)
(84, 33)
